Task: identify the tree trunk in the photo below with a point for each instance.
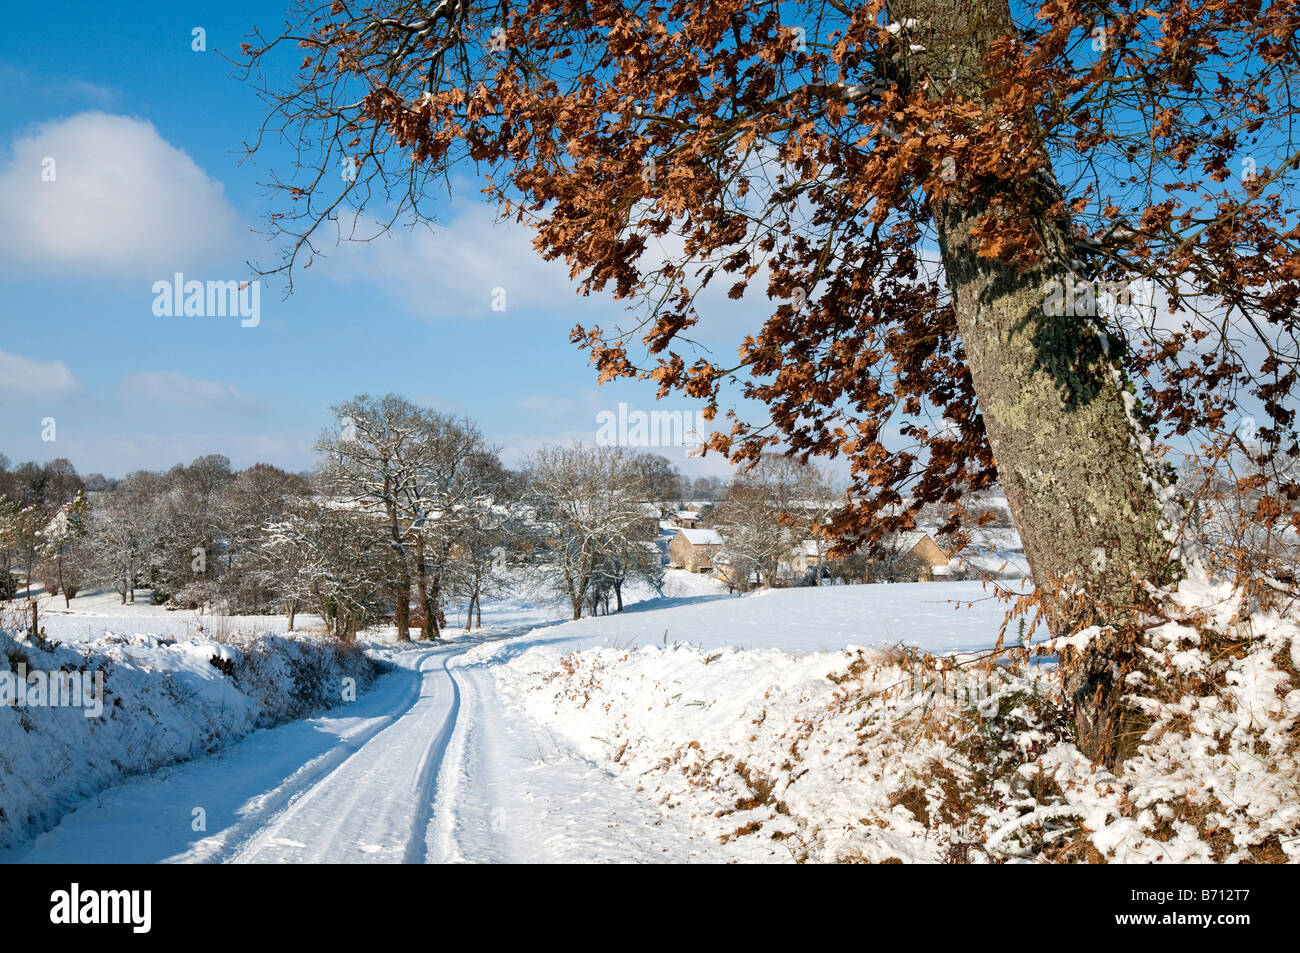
(433, 598)
(432, 627)
(428, 627)
(402, 613)
(1065, 446)
(402, 610)
(577, 595)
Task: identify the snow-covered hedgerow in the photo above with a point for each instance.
(833, 756)
(859, 755)
(164, 700)
(1217, 775)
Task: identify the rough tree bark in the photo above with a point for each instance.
(402, 589)
(427, 622)
(1065, 447)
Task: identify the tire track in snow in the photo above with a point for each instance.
(267, 809)
(374, 805)
(510, 792)
(440, 832)
(435, 754)
(433, 766)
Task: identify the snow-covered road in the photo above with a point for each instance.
(418, 769)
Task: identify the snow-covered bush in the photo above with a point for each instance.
(1216, 774)
(164, 700)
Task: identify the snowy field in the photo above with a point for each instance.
(96, 614)
(939, 617)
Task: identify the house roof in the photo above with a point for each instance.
(701, 537)
(906, 542)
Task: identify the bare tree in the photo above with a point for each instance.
(257, 496)
(122, 535)
(410, 468)
(326, 556)
(487, 528)
(590, 510)
(769, 510)
(63, 546)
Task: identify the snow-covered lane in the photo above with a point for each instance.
(374, 806)
(511, 792)
(423, 768)
(438, 763)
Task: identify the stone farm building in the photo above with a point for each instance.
(694, 549)
(686, 519)
(698, 550)
(923, 547)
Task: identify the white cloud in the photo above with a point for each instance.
(122, 199)
(22, 84)
(453, 269)
(22, 375)
(171, 388)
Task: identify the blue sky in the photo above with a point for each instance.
(146, 136)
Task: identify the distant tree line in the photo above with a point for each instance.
(408, 510)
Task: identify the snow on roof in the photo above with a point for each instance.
(905, 541)
(701, 537)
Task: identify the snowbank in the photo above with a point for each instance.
(757, 746)
(869, 755)
(150, 701)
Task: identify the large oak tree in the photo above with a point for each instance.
(931, 201)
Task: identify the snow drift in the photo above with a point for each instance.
(164, 700)
(864, 755)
